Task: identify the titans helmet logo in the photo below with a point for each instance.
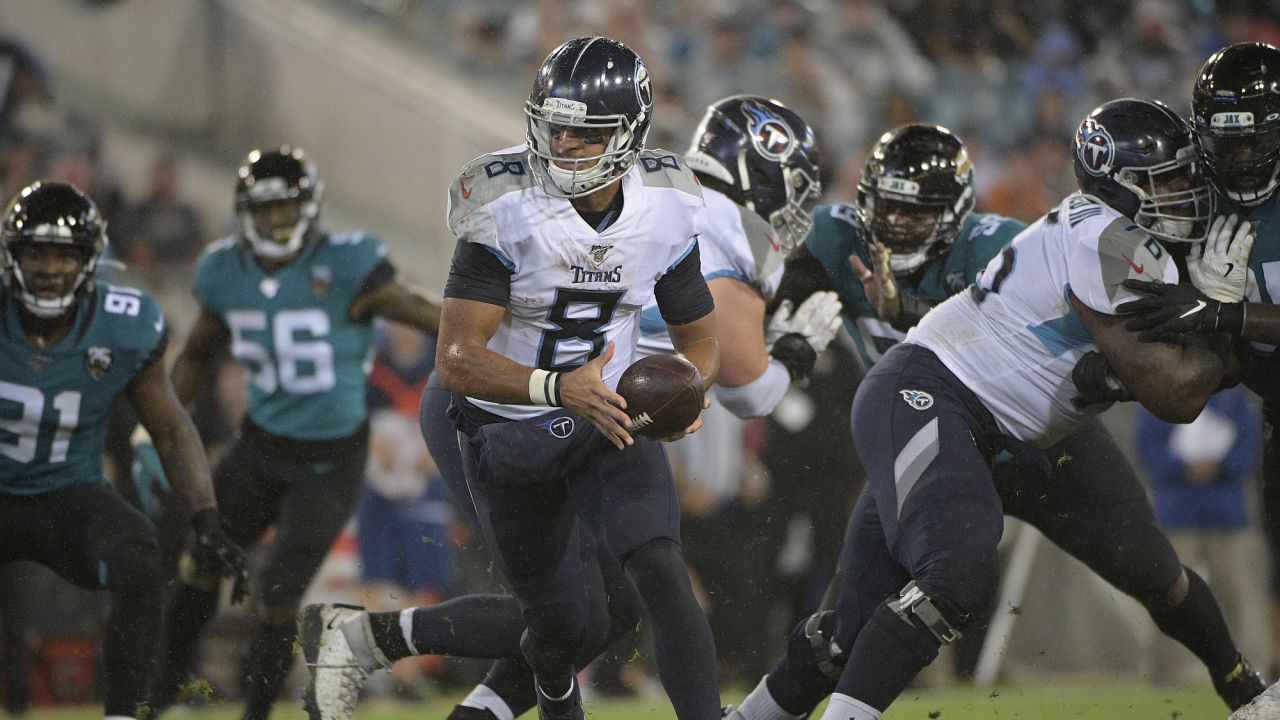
(1094, 148)
(771, 136)
(644, 86)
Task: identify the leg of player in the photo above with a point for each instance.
(320, 498)
(1095, 508)
(929, 482)
(632, 497)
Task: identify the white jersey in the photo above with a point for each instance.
(1014, 338)
(735, 243)
(574, 290)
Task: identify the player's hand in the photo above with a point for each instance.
(1176, 309)
(878, 282)
(215, 549)
(1095, 383)
(695, 427)
(583, 392)
(148, 474)
(1219, 266)
(817, 319)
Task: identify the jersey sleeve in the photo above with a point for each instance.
(137, 326)
(986, 239)
(1109, 250)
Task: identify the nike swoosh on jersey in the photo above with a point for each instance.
(1199, 306)
(1136, 267)
(466, 194)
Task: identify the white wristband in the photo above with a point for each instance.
(544, 387)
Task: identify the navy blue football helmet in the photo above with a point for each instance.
(51, 213)
(915, 191)
(592, 83)
(1235, 112)
(1138, 157)
(763, 156)
(272, 176)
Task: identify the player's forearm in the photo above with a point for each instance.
(478, 372)
(1261, 323)
(182, 455)
(699, 344)
(1178, 378)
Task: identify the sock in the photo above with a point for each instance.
(1197, 623)
(511, 681)
(473, 626)
(482, 698)
(190, 610)
(270, 657)
(389, 635)
(885, 657)
(843, 707)
(760, 705)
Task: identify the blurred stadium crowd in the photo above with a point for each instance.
(1011, 78)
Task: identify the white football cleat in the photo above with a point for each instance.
(1264, 707)
(337, 642)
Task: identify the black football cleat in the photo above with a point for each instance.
(1240, 685)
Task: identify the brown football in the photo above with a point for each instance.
(664, 395)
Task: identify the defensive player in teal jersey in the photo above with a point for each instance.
(294, 305)
(913, 221)
(68, 347)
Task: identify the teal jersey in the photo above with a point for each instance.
(54, 402)
(1263, 375)
(291, 328)
(838, 233)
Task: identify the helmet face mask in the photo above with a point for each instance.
(278, 199)
(588, 89)
(763, 156)
(1236, 121)
(52, 239)
(1137, 156)
(916, 189)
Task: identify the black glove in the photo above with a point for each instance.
(215, 549)
(1178, 309)
(1095, 383)
(796, 355)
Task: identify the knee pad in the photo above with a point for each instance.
(813, 643)
(927, 613)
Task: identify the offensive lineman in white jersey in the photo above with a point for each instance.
(758, 165)
(991, 370)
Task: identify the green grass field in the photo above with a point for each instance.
(1062, 702)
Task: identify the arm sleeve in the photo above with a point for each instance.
(478, 273)
(682, 292)
(1119, 251)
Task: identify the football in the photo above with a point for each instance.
(663, 393)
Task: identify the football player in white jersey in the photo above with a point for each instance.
(759, 168)
(562, 242)
(991, 370)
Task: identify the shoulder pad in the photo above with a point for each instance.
(662, 168)
(488, 178)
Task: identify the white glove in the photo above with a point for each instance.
(817, 319)
(1219, 267)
